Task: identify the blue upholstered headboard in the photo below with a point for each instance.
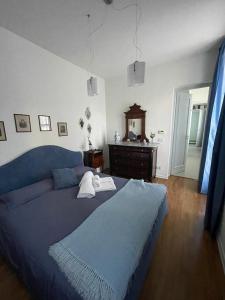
(36, 165)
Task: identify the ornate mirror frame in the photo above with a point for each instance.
(135, 112)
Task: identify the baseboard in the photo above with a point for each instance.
(222, 252)
(161, 176)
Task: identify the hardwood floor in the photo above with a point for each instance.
(186, 263)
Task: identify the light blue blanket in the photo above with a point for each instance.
(101, 255)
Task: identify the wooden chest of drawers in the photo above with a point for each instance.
(133, 161)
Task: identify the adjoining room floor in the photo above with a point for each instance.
(192, 165)
(186, 263)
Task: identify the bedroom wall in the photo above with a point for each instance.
(34, 81)
(157, 97)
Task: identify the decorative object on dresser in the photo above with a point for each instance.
(152, 135)
(94, 159)
(133, 160)
(44, 123)
(2, 132)
(116, 137)
(62, 129)
(135, 124)
(22, 123)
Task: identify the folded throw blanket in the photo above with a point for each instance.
(101, 255)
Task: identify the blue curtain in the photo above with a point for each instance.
(214, 109)
(216, 189)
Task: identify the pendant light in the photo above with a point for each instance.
(92, 84)
(136, 70)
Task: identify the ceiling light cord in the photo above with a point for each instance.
(90, 46)
(138, 16)
(136, 30)
(124, 7)
(97, 28)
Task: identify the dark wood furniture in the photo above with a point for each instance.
(135, 112)
(133, 160)
(94, 159)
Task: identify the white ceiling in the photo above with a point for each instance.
(169, 29)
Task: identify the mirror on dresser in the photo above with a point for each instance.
(134, 129)
(135, 124)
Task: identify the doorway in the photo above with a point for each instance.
(189, 124)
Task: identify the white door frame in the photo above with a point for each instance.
(183, 88)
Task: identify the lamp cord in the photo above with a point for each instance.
(136, 30)
(90, 48)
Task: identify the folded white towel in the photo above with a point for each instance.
(86, 186)
(91, 183)
(96, 181)
(106, 184)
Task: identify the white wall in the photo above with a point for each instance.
(157, 97)
(34, 81)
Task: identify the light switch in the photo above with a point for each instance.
(161, 132)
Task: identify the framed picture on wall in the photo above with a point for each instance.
(22, 123)
(62, 129)
(44, 123)
(2, 132)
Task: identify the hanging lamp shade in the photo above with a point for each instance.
(136, 73)
(92, 86)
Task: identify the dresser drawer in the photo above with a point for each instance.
(131, 154)
(129, 149)
(130, 172)
(131, 163)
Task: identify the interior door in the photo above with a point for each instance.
(180, 138)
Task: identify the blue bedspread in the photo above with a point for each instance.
(101, 255)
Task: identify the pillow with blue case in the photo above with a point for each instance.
(65, 178)
(27, 193)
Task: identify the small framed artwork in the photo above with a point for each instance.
(62, 129)
(2, 132)
(44, 123)
(22, 123)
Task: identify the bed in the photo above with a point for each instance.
(31, 225)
